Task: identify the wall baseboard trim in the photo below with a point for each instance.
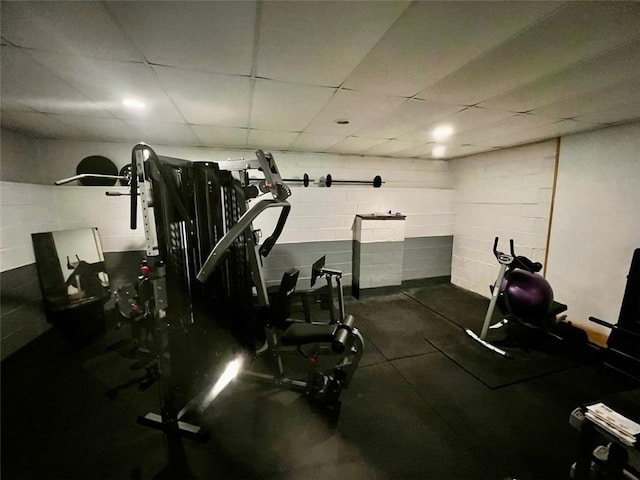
(392, 289)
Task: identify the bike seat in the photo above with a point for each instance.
(533, 267)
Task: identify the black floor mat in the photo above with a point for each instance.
(532, 355)
(465, 309)
(397, 325)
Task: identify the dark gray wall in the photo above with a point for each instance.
(427, 257)
(302, 256)
(21, 313)
(22, 316)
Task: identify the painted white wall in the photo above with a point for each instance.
(19, 161)
(27, 208)
(596, 222)
(60, 157)
(419, 189)
(506, 193)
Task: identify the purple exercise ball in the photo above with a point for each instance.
(526, 295)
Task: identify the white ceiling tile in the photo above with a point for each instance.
(391, 147)
(573, 33)
(603, 99)
(556, 129)
(320, 43)
(105, 129)
(75, 28)
(613, 66)
(432, 39)
(456, 151)
(355, 145)
(534, 133)
(409, 120)
(214, 36)
(27, 83)
(206, 98)
(473, 117)
(107, 83)
(417, 151)
(10, 103)
(514, 124)
(286, 106)
(220, 136)
(38, 125)
(358, 108)
(164, 133)
(315, 142)
(623, 113)
(566, 127)
(270, 140)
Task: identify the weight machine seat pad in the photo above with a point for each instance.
(303, 333)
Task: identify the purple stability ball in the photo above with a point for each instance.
(526, 295)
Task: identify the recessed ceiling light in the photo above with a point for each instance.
(442, 132)
(439, 151)
(342, 121)
(133, 103)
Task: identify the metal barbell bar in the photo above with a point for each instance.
(305, 180)
(376, 182)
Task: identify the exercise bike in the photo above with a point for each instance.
(522, 296)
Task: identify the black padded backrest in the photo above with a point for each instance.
(627, 339)
(630, 309)
(281, 302)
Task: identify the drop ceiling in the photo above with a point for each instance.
(280, 75)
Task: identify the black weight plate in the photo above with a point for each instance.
(377, 181)
(305, 180)
(100, 165)
(328, 180)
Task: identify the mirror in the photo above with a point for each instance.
(70, 266)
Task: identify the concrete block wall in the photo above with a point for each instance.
(427, 257)
(321, 221)
(378, 252)
(506, 193)
(22, 315)
(30, 208)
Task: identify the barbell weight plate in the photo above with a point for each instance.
(99, 165)
(377, 181)
(328, 180)
(305, 180)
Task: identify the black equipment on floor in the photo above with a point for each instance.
(623, 345)
(522, 296)
(210, 306)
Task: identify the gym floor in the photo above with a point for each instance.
(412, 410)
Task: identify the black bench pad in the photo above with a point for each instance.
(302, 333)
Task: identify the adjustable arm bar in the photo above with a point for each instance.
(268, 244)
(265, 163)
(243, 224)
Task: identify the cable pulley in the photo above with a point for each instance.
(305, 180)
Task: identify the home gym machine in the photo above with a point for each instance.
(210, 307)
(522, 295)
